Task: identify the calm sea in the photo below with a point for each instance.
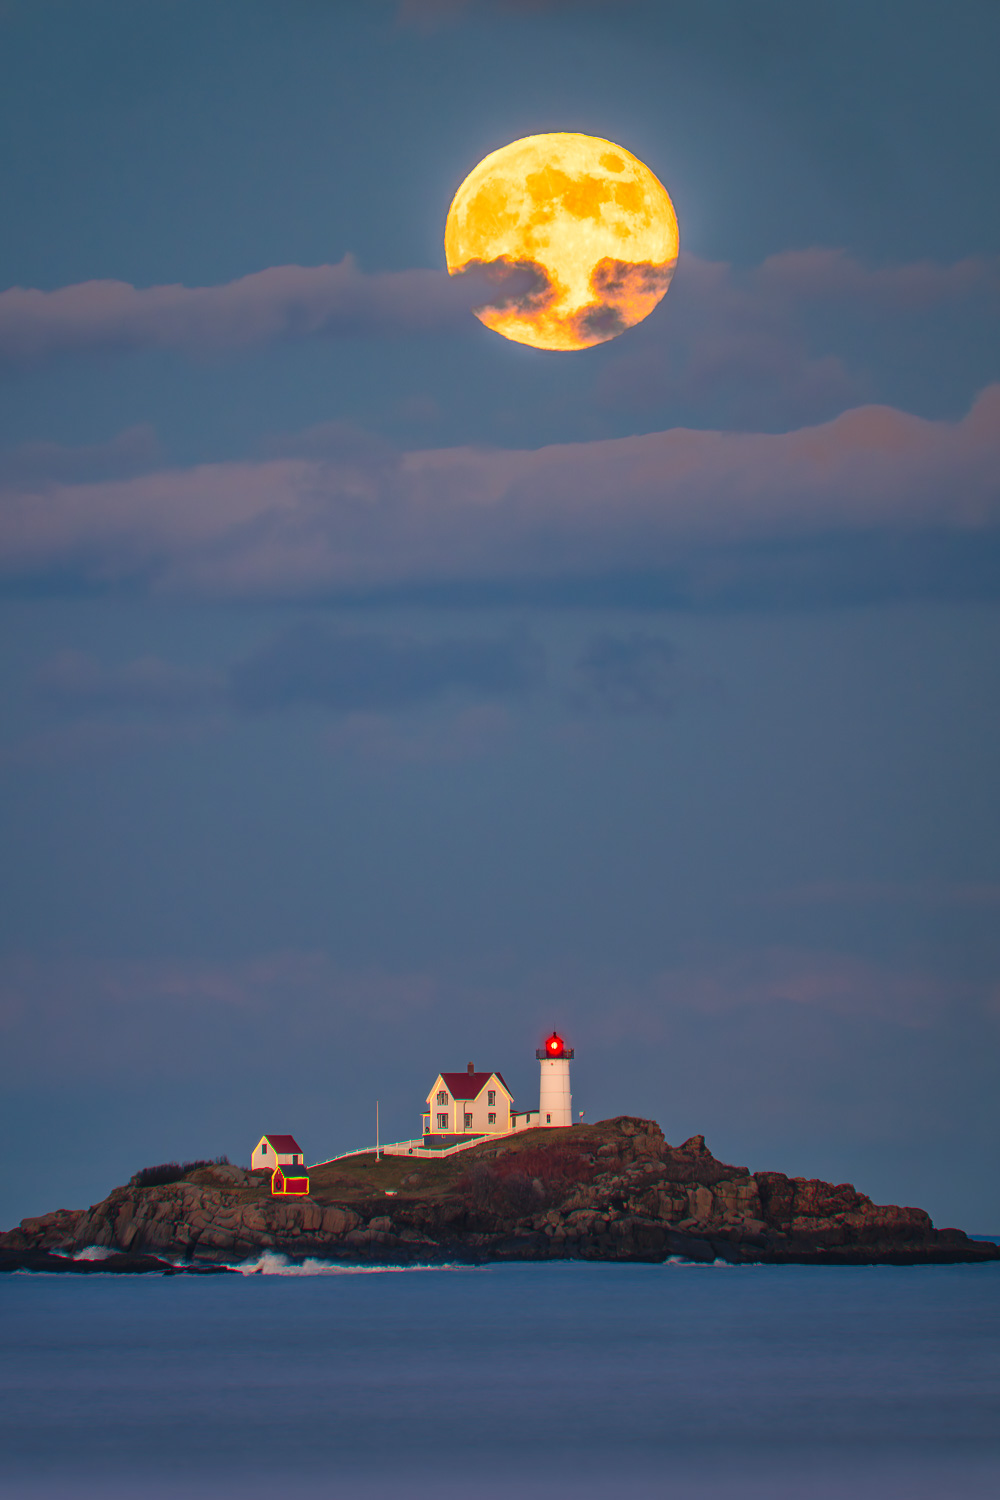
(708, 1382)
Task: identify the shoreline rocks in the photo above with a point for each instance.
(614, 1191)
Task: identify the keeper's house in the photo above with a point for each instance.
(468, 1103)
(276, 1151)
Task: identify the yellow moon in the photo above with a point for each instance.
(592, 223)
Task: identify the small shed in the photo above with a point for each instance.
(288, 1182)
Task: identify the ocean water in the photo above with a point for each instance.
(547, 1380)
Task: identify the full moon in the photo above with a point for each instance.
(590, 222)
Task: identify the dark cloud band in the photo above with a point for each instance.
(711, 304)
(877, 503)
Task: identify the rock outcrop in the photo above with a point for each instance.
(614, 1191)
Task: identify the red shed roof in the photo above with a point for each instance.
(284, 1145)
(469, 1085)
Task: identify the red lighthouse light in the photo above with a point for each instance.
(555, 1050)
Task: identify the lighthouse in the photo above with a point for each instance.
(555, 1105)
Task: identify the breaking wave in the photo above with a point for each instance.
(271, 1263)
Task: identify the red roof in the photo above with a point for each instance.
(469, 1085)
(284, 1145)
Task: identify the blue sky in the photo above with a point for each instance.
(381, 693)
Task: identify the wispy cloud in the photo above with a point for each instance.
(840, 983)
(876, 503)
(346, 670)
(280, 303)
(341, 669)
(821, 274)
(384, 696)
(98, 738)
(970, 895)
(766, 342)
(133, 451)
(627, 675)
(74, 1018)
(74, 680)
(720, 320)
(375, 740)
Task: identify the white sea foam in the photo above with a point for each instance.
(709, 1265)
(270, 1263)
(95, 1252)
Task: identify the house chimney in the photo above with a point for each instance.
(472, 1067)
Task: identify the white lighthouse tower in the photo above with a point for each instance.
(555, 1104)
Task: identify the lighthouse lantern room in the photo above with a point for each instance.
(555, 1103)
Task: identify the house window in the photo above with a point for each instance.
(263, 1149)
(492, 1119)
(468, 1122)
(442, 1122)
(491, 1097)
(296, 1160)
(442, 1097)
(548, 1119)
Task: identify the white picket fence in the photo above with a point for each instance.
(415, 1148)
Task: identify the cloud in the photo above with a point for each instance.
(343, 443)
(73, 680)
(837, 983)
(830, 275)
(968, 895)
(93, 1017)
(720, 323)
(345, 670)
(388, 698)
(73, 1015)
(874, 504)
(373, 685)
(626, 675)
(760, 342)
(98, 712)
(101, 739)
(378, 739)
(133, 451)
(280, 303)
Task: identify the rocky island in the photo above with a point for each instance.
(609, 1191)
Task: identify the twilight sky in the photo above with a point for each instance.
(381, 693)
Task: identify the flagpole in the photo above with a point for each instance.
(378, 1154)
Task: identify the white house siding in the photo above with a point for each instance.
(271, 1159)
(436, 1110)
(479, 1109)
